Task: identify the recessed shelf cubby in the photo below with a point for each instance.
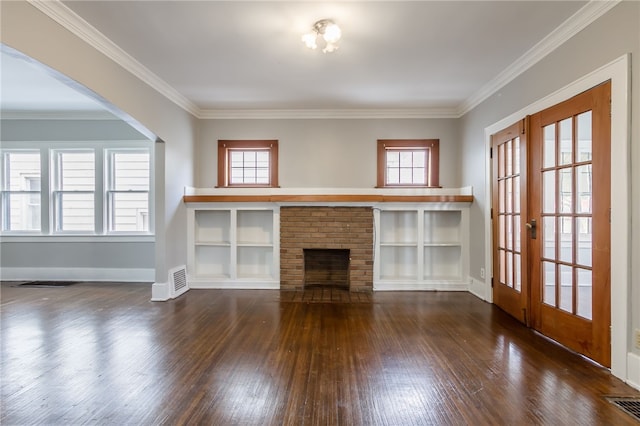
(233, 247)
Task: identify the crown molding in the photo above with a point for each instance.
(57, 115)
(574, 24)
(60, 13)
(213, 114)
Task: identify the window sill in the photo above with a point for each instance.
(32, 238)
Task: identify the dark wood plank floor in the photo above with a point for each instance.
(104, 354)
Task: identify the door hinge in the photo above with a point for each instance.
(491, 282)
(491, 214)
(491, 152)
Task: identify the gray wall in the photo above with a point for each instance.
(105, 255)
(613, 35)
(45, 252)
(67, 130)
(31, 32)
(328, 153)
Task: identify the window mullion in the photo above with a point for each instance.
(98, 192)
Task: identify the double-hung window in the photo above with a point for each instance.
(248, 163)
(408, 162)
(127, 190)
(20, 190)
(74, 186)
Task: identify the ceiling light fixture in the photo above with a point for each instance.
(327, 31)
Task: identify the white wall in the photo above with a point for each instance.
(328, 153)
(613, 35)
(29, 31)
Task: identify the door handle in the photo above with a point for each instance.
(533, 227)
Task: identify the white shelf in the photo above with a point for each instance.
(421, 248)
(233, 247)
(212, 261)
(255, 262)
(398, 263)
(212, 226)
(398, 227)
(442, 263)
(255, 226)
(442, 226)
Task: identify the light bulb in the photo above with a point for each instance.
(332, 33)
(329, 48)
(309, 40)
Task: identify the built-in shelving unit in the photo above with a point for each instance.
(233, 247)
(421, 236)
(421, 247)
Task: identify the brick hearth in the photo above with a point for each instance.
(348, 228)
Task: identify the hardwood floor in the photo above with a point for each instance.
(104, 354)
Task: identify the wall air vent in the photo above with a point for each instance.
(178, 284)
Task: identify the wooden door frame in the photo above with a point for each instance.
(618, 72)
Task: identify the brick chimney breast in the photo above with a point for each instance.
(347, 228)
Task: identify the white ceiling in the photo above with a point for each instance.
(217, 56)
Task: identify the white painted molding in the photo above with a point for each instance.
(633, 370)
(202, 283)
(328, 113)
(477, 288)
(160, 292)
(79, 274)
(59, 115)
(435, 285)
(60, 13)
(575, 23)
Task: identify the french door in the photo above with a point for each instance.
(510, 284)
(563, 242)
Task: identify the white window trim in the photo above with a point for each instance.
(109, 183)
(47, 231)
(6, 192)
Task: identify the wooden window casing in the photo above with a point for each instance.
(227, 147)
(431, 166)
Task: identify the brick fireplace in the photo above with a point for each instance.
(326, 228)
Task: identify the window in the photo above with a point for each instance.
(20, 190)
(127, 190)
(91, 188)
(249, 163)
(408, 162)
(73, 193)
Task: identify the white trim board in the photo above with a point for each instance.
(618, 72)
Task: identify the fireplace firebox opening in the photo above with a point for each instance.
(326, 268)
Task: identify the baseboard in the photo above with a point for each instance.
(237, 284)
(160, 292)
(78, 274)
(633, 370)
(478, 289)
(420, 286)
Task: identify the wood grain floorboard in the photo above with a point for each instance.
(102, 353)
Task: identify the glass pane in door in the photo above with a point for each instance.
(566, 220)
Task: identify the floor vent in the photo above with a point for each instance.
(178, 283)
(630, 406)
(47, 284)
